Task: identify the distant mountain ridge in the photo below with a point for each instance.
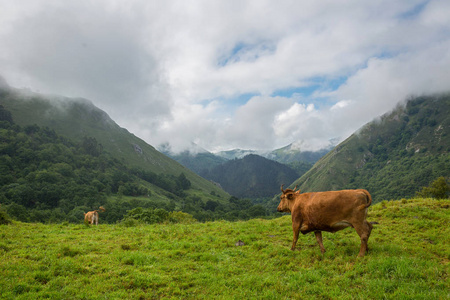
(252, 176)
(393, 156)
(239, 153)
(288, 154)
(206, 163)
(214, 166)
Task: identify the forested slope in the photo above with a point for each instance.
(77, 119)
(392, 157)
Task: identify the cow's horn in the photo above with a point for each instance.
(295, 188)
(282, 188)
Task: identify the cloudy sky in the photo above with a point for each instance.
(234, 73)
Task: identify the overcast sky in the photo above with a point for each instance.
(230, 74)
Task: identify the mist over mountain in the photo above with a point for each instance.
(3, 84)
(293, 152)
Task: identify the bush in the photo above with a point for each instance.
(438, 189)
(181, 217)
(4, 218)
(18, 212)
(129, 222)
(147, 215)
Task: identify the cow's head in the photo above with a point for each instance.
(287, 199)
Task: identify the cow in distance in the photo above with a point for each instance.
(91, 217)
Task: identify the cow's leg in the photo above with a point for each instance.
(363, 231)
(296, 229)
(368, 235)
(319, 240)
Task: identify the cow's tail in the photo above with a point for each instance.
(368, 198)
(100, 209)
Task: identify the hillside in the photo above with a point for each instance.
(79, 118)
(252, 176)
(407, 259)
(392, 157)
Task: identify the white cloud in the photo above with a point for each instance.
(293, 119)
(341, 104)
(210, 71)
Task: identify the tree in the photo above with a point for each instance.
(438, 189)
(18, 212)
(257, 211)
(5, 115)
(183, 182)
(91, 146)
(211, 205)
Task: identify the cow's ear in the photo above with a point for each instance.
(297, 192)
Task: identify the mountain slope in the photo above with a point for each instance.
(392, 157)
(252, 176)
(79, 118)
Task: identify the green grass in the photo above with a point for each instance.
(408, 259)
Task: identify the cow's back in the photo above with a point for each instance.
(326, 208)
(343, 198)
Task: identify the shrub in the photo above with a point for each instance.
(147, 215)
(438, 189)
(129, 222)
(181, 217)
(4, 218)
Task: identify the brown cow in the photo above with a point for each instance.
(327, 211)
(91, 217)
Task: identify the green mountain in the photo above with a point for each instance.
(79, 118)
(252, 176)
(392, 157)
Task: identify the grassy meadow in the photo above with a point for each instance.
(408, 259)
